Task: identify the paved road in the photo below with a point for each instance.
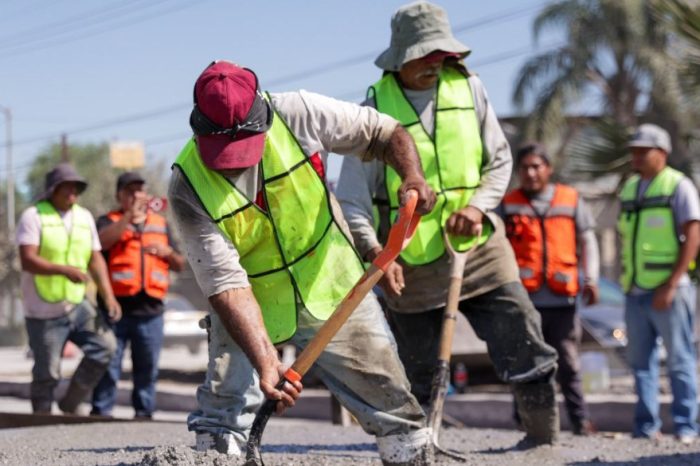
(312, 443)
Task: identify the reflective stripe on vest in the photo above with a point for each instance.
(59, 247)
(544, 246)
(451, 159)
(295, 252)
(130, 268)
(648, 231)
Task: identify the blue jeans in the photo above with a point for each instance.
(675, 327)
(146, 337)
(84, 327)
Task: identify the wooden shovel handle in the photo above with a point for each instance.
(458, 262)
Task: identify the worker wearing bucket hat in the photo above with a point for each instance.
(467, 162)
(270, 249)
(59, 247)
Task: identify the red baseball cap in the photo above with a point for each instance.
(230, 117)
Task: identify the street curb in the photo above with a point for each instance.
(486, 410)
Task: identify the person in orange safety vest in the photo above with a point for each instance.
(139, 252)
(550, 228)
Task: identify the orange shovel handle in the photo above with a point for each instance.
(401, 232)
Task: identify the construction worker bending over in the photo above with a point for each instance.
(270, 249)
(467, 162)
(58, 247)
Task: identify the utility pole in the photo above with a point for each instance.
(64, 148)
(10, 172)
(10, 181)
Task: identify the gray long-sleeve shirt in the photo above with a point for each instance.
(491, 265)
(320, 125)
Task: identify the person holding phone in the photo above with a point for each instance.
(140, 252)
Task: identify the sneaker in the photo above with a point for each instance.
(686, 439)
(585, 428)
(223, 443)
(654, 437)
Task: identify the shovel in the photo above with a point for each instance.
(399, 237)
(441, 376)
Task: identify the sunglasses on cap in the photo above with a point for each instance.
(258, 119)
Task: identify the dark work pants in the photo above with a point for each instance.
(504, 318)
(561, 328)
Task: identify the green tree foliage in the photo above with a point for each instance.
(618, 60)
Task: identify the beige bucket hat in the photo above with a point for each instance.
(418, 29)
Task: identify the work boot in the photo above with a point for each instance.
(539, 412)
(412, 449)
(41, 406)
(84, 380)
(584, 428)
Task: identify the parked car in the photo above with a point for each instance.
(181, 326)
(604, 323)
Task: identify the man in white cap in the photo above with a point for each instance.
(659, 226)
(58, 248)
(467, 162)
(270, 249)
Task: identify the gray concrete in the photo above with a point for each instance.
(297, 442)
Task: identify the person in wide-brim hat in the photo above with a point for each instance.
(62, 173)
(417, 30)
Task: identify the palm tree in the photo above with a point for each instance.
(615, 64)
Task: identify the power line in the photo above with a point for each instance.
(101, 30)
(47, 31)
(318, 70)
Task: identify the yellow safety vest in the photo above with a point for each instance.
(293, 253)
(451, 159)
(650, 243)
(60, 247)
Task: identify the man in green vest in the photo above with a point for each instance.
(59, 250)
(467, 162)
(659, 226)
(270, 249)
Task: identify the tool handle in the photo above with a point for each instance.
(401, 232)
(458, 262)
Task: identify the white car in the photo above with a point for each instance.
(181, 325)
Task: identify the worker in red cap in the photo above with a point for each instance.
(270, 249)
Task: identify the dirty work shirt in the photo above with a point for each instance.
(320, 125)
(492, 264)
(29, 234)
(685, 205)
(587, 247)
(230, 395)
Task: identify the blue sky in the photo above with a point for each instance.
(74, 66)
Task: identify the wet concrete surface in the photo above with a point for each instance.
(295, 442)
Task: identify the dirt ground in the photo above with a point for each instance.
(288, 442)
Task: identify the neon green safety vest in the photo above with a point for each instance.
(59, 247)
(451, 159)
(295, 252)
(650, 243)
